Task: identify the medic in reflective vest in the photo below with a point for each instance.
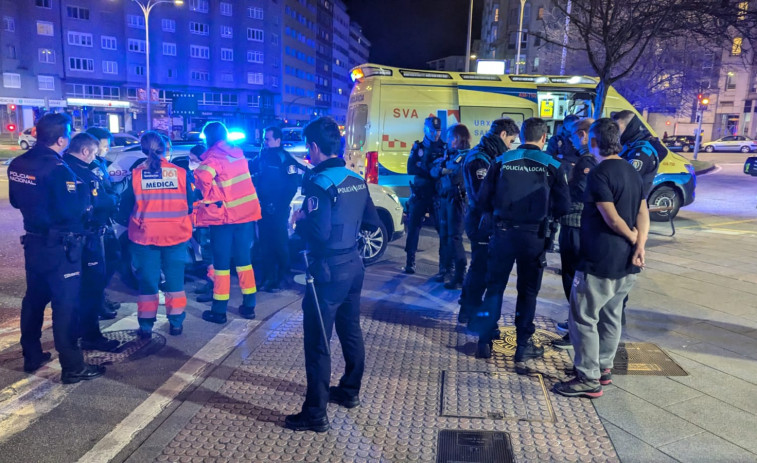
(159, 204)
(229, 207)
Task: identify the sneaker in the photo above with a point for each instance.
(214, 317)
(102, 344)
(247, 312)
(30, 366)
(301, 422)
(339, 397)
(85, 374)
(409, 269)
(563, 343)
(484, 350)
(578, 387)
(562, 326)
(529, 351)
(606, 377)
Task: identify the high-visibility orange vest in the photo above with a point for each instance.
(228, 195)
(161, 213)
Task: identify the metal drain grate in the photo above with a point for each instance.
(474, 447)
(132, 348)
(645, 358)
(496, 396)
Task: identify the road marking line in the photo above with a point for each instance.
(211, 354)
(714, 225)
(26, 400)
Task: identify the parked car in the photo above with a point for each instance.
(683, 143)
(124, 139)
(293, 141)
(26, 140)
(731, 143)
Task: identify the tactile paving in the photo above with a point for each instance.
(408, 346)
(646, 359)
(132, 347)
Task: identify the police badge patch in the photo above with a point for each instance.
(312, 204)
(481, 173)
(292, 170)
(637, 164)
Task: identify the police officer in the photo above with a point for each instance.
(453, 203)
(524, 188)
(276, 176)
(559, 145)
(80, 155)
(336, 202)
(497, 141)
(423, 187)
(638, 148)
(54, 204)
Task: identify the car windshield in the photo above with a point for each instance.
(292, 135)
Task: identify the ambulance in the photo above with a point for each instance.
(388, 105)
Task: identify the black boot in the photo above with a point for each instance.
(410, 264)
(528, 351)
(456, 282)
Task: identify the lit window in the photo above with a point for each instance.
(736, 46)
(44, 28)
(46, 55)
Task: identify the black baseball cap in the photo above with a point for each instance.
(434, 122)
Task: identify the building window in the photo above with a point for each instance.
(81, 64)
(139, 70)
(736, 46)
(199, 6)
(255, 13)
(274, 39)
(43, 3)
(137, 46)
(79, 38)
(730, 81)
(254, 56)
(255, 78)
(46, 82)
(45, 28)
(110, 67)
(77, 12)
(93, 91)
(256, 35)
(11, 80)
(709, 61)
(10, 52)
(169, 49)
(227, 32)
(218, 99)
(196, 51)
(540, 13)
(170, 73)
(136, 21)
(226, 8)
(524, 39)
(9, 24)
(199, 75)
(253, 101)
(227, 77)
(46, 55)
(227, 54)
(168, 25)
(108, 43)
(199, 28)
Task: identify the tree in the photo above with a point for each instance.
(615, 35)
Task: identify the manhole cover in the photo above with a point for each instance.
(132, 347)
(496, 396)
(645, 358)
(474, 447)
(506, 343)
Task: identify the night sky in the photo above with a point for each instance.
(407, 33)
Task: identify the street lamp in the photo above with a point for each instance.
(520, 37)
(470, 33)
(146, 6)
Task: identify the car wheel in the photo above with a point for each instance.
(710, 149)
(24, 145)
(372, 242)
(686, 148)
(664, 196)
(745, 149)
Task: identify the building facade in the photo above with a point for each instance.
(247, 63)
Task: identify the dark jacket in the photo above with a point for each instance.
(276, 176)
(577, 186)
(638, 151)
(560, 147)
(104, 204)
(421, 160)
(477, 163)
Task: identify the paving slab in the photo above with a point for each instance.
(658, 390)
(633, 449)
(727, 361)
(706, 448)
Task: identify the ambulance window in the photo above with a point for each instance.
(356, 126)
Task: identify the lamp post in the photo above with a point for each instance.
(146, 6)
(470, 33)
(520, 37)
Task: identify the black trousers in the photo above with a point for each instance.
(274, 246)
(570, 246)
(53, 274)
(474, 285)
(508, 247)
(451, 226)
(339, 299)
(418, 206)
(93, 281)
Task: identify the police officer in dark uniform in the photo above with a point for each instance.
(336, 203)
(559, 145)
(638, 148)
(79, 156)
(452, 203)
(423, 187)
(276, 176)
(497, 141)
(54, 204)
(523, 189)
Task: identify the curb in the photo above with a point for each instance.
(706, 170)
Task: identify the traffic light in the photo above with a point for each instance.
(12, 107)
(10, 127)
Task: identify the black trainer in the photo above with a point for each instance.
(563, 343)
(102, 344)
(111, 304)
(409, 267)
(214, 317)
(484, 350)
(30, 366)
(529, 351)
(339, 397)
(302, 422)
(85, 374)
(246, 312)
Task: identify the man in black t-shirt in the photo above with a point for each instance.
(614, 228)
